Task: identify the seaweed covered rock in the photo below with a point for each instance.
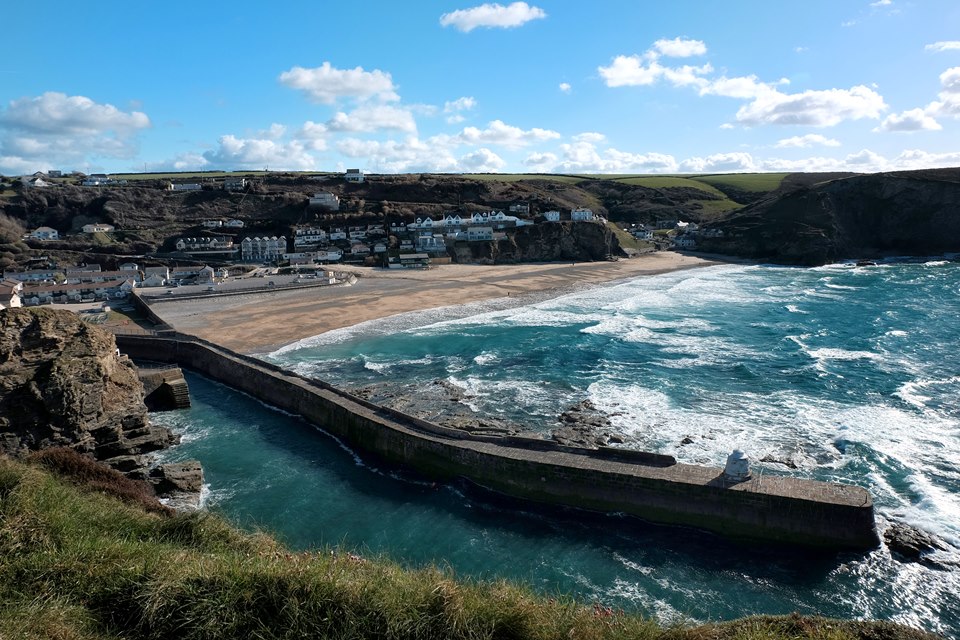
(63, 383)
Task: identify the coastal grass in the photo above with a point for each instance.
(668, 182)
(78, 563)
(517, 177)
(755, 182)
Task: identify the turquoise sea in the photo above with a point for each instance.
(840, 373)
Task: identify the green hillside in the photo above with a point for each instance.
(78, 563)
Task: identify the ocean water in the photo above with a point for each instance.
(839, 373)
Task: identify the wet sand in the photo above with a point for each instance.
(266, 321)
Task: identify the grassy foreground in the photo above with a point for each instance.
(82, 558)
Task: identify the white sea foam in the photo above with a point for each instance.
(792, 308)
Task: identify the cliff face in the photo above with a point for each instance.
(578, 241)
(908, 213)
(63, 384)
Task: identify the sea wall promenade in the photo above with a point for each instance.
(653, 487)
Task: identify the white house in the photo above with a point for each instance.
(212, 224)
(685, 241)
(453, 221)
(184, 186)
(329, 255)
(552, 216)
(207, 245)
(325, 200)
(582, 214)
(263, 249)
(430, 242)
(11, 292)
(379, 248)
(98, 227)
(306, 237)
(206, 275)
(45, 233)
(128, 266)
(479, 234)
(338, 234)
(360, 249)
(353, 175)
(357, 234)
(37, 182)
(233, 223)
(520, 208)
(36, 275)
(642, 234)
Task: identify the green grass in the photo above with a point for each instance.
(81, 559)
(756, 182)
(667, 182)
(716, 207)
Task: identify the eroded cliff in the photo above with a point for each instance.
(63, 383)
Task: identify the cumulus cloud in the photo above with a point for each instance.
(410, 155)
(680, 47)
(55, 130)
(589, 136)
(373, 117)
(943, 45)
(824, 108)
(541, 162)
(631, 71)
(565, 87)
(492, 15)
(456, 107)
(313, 134)
(326, 84)
(500, 133)
(768, 104)
(460, 104)
(256, 153)
(482, 161)
(809, 140)
(720, 163)
(881, 3)
(584, 157)
(912, 120)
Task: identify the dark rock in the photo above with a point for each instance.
(579, 241)
(787, 462)
(912, 544)
(582, 425)
(63, 384)
(686, 440)
(177, 477)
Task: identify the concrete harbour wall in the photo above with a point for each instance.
(653, 487)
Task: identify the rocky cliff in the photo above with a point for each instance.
(578, 241)
(904, 213)
(62, 383)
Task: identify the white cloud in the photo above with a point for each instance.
(812, 108)
(744, 87)
(680, 47)
(313, 134)
(583, 157)
(944, 45)
(727, 125)
(456, 107)
(492, 15)
(256, 153)
(500, 133)
(881, 3)
(54, 130)
(410, 155)
(326, 84)
(589, 136)
(373, 117)
(912, 120)
(482, 161)
(719, 163)
(541, 162)
(465, 103)
(565, 87)
(60, 114)
(950, 80)
(630, 71)
(809, 140)
(801, 49)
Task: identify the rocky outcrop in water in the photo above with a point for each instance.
(583, 425)
(912, 544)
(64, 384)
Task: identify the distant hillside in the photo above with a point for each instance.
(860, 216)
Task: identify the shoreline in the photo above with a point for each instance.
(261, 323)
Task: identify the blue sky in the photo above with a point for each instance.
(613, 86)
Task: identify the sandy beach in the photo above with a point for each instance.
(263, 322)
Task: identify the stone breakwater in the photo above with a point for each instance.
(653, 487)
